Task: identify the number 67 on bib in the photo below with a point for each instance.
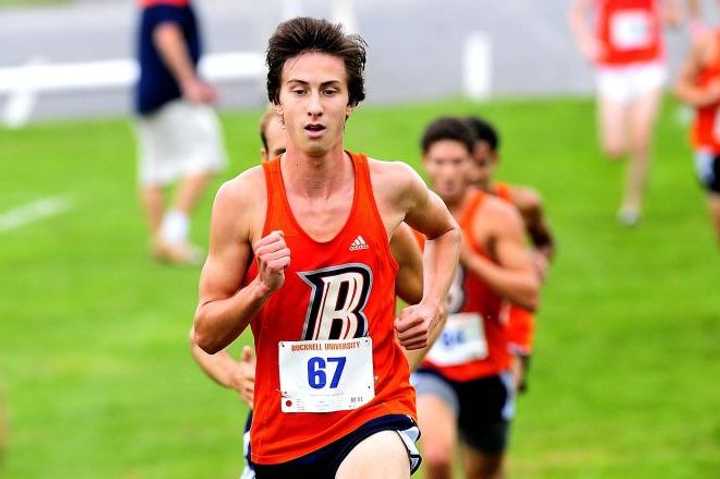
(325, 376)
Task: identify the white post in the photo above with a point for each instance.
(477, 66)
(20, 103)
(343, 12)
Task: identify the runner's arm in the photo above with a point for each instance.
(686, 88)
(530, 205)
(407, 253)
(408, 284)
(514, 277)
(224, 308)
(428, 214)
(220, 367)
(578, 17)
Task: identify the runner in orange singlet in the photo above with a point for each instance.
(464, 386)
(698, 85)
(299, 250)
(521, 322)
(627, 49)
(239, 375)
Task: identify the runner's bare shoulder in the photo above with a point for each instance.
(242, 201)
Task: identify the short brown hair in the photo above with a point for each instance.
(304, 34)
(447, 128)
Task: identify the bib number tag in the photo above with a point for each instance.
(630, 29)
(326, 376)
(462, 340)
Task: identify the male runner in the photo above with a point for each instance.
(332, 396)
(464, 388)
(222, 368)
(521, 322)
(698, 85)
(627, 48)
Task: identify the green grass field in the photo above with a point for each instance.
(99, 383)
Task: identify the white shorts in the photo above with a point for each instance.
(178, 140)
(624, 84)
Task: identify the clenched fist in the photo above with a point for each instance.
(415, 324)
(273, 256)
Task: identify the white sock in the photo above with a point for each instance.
(175, 227)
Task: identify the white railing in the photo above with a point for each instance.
(23, 84)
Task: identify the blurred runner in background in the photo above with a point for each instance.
(521, 322)
(626, 45)
(464, 385)
(698, 85)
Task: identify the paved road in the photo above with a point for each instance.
(415, 45)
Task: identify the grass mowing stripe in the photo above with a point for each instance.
(35, 211)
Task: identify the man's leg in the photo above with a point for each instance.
(176, 222)
(381, 455)
(190, 191)
(438, 423)
(483, 465)
(151, 198)
(643, 113)
(612, 118)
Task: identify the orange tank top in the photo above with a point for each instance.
(353, 271)
(503, 191)
(470, 294)
(629, 31)
(705, 133)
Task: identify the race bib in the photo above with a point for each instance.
(326, 376)
(462, 340)
(630, 30)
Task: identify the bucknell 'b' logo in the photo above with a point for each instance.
(339, 295)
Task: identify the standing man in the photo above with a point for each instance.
(308, 266)
(627, 48)
(521, 322)
(178, 132)
(698, 85)
(464, 388)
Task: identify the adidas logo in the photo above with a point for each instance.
(358, 244)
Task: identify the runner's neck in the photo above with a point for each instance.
(317, 177)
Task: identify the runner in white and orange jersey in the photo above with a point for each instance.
(307, 264)
(239, 375)
(627, 49)
(521, 322)
(698, 85)
(464, 386)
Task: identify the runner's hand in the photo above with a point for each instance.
(273, 257)
(415, 324)
(243, 380)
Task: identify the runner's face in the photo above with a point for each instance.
(314, 102)
(275, 137)
(447, 163)
(483, 165)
